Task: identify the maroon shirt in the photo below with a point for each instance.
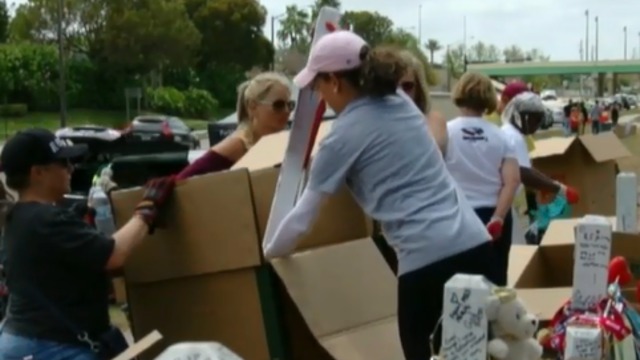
(207, 163)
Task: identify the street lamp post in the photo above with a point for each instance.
(586, 39)
(273, 38)
(624, 29)
(61, 66)
(597, 38)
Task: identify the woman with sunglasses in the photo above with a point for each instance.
(414, 84)
(263, 107)
(379, 146)
(56, 264)
(484, 164)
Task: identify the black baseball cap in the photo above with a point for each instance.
(36, 146)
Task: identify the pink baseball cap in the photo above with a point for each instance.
(335, 51)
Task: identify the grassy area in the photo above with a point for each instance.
(115, 119)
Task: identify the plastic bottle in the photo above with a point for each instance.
(104, 218)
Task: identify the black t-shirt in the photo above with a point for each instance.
(51, 251)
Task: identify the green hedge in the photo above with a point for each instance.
(192, 103)
(14, 110)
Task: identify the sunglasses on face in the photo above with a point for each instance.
(281, 105)
(407, 86)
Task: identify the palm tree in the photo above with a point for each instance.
(433, 46)
(293, 27)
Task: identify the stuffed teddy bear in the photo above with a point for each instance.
(512, 328)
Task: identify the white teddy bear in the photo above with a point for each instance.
(512, 328)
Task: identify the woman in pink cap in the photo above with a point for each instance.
(380, 148)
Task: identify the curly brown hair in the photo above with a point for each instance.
(378, 75)
(476, 92)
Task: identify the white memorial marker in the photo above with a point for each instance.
(464, 321)
(627, 203)
(583, 343)
(301, 139)
(591, 261)
(198, 350)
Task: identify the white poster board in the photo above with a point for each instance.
(591, 261)
(627, 203)
(301, 139)
(464, 319)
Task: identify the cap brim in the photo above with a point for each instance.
(304, 78)
(72, 152)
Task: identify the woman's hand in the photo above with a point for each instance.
(156, 194)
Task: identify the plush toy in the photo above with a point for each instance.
(512, 328)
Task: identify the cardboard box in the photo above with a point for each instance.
(545, 283)
(202, 276)
(587, 163)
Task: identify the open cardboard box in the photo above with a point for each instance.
(546, 280)
(202, 277)
(587, 163)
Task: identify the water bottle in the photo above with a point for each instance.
(104, 218)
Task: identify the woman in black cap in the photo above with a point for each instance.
(56, 264)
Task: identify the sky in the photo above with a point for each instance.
(554, 26)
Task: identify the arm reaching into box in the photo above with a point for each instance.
(294, 225)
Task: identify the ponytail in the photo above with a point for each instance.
(241, 105)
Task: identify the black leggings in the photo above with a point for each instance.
(420, 298)
(501, 246)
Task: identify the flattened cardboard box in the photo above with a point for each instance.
(545, 283)
(195, 279)
(587, 163)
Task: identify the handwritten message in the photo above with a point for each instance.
(626, 203)
(583, 344)
(198, 351)
(464, 323)
(591, 259)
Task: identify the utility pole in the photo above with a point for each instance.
(61, 66)
(597, 39)
(624, 29)
(586, 39)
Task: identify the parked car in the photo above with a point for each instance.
(161, 128)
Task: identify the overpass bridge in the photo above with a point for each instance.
(600, 67)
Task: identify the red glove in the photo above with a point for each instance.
(572, 195)
(494, 227)
(619, 270)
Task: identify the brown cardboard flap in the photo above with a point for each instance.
(346, 293)
(270, 150)
(340, 219)
(551, 147)
(604, 146)
(544, 302)
(210, 227)
(519, 258)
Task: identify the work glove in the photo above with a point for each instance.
(156, 194)
(494, 227)
(570, 193)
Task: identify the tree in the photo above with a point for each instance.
(454, 60)
(4, 21)
(146, 36)
(37, 21)
(481, 52)
(432, 46)
(371, 26)
(231, 32)
(293, 32)
(514, 53)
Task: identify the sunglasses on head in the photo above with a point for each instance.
(408, 85)
(281, 105)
